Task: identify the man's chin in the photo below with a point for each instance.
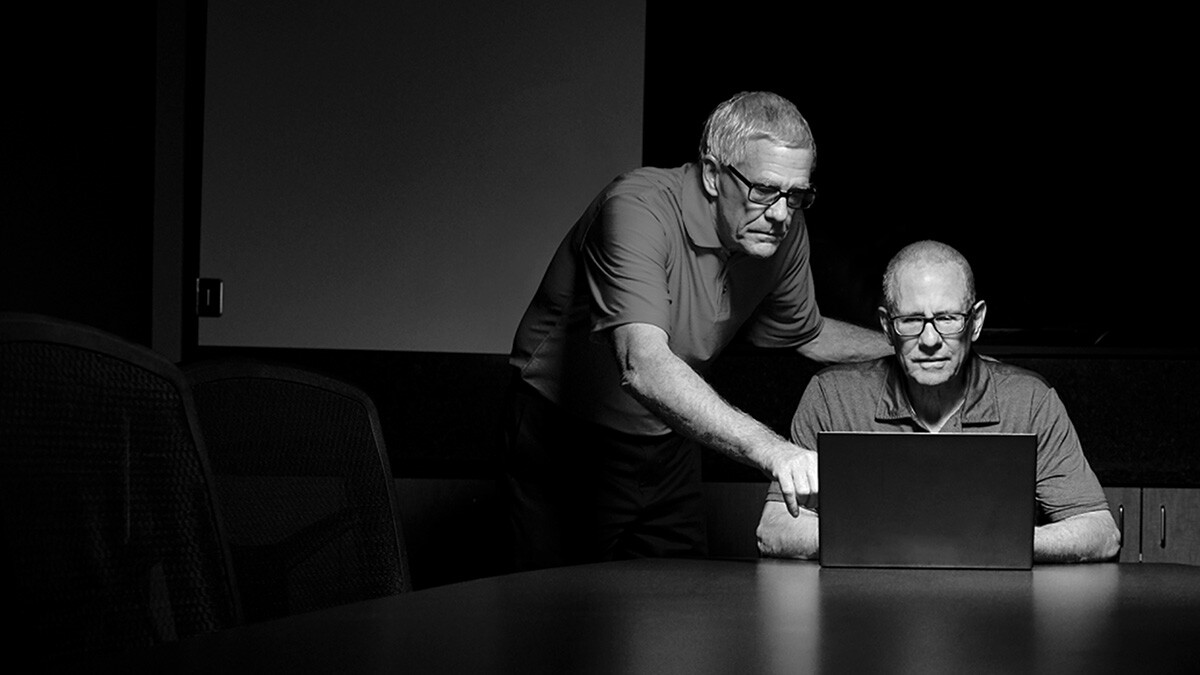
(760, 249)
(927, 378)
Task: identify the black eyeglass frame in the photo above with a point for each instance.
(804, 196)
(967, 317)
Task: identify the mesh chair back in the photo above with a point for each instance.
(110, 538)
(305, 487)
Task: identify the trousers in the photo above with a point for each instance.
(580, 492)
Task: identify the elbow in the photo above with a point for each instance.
(1108, 543)
(639, 369)
(641, 387)
(1107, 551)
(1110, 546)
(816, 350)
(633, 381)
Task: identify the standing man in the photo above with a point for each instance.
(653, 281)
(935, 383)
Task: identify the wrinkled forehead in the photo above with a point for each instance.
(778, 162)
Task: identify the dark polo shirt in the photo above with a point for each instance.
(1001, 398)
(646, 251)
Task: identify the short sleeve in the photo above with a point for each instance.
(811, 416)
(1066, 485)
(624, 262)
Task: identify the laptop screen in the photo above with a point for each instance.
(926, 500)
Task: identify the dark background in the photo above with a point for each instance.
(79, 152)
(1051, 147)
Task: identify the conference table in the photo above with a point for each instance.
(733, 616)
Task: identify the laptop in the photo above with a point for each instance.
(949, 500)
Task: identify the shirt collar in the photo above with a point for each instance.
(980, 407)
(697, 209)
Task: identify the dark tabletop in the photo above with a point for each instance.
(706, 616)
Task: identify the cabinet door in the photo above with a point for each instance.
(1126, 506)
(1171, 525)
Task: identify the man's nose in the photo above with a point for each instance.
(930, 338)
(779, 212)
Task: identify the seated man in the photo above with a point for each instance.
(934, 383)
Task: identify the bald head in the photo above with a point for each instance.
(920, 255)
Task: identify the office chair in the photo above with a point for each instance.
(110, 539)
(304, 483)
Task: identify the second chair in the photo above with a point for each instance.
(304, 483)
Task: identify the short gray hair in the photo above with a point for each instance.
(925, 252)
(751, 116)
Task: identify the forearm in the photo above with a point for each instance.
(841, 342)
(669, 388)
(782, 536)
(1087, 537)
(674, 392)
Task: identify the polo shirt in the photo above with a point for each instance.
(646, 250)
(1001, 398)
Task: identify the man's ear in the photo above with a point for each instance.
(977, 321)
(886, 324)
(711, 175)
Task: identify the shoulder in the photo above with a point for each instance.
(1013, 379)
(842, 397)
(1020, 391)
(639, 209)
(650, 185)
(640, 196)
(847, 375)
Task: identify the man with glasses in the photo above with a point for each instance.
(654, 280)
(935, 383)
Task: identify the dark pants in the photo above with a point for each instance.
(580, 492)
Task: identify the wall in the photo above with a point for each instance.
(395, 176)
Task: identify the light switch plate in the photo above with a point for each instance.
(210, 300)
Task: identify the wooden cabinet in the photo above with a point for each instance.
(1171, 525)
(1157, 524)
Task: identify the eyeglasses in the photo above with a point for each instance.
(766, 195)
(948, 324)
